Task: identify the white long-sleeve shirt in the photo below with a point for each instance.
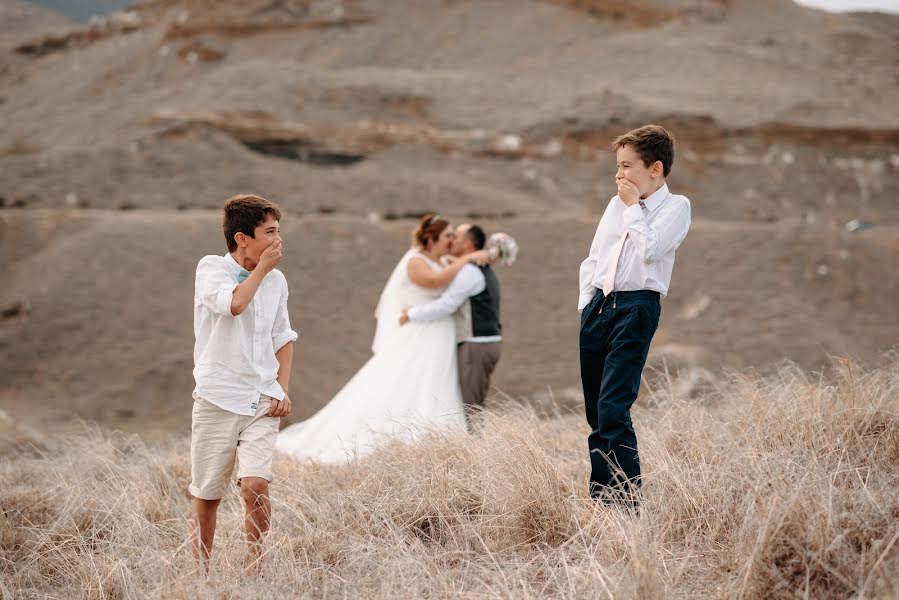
(468, 282)
(655, 230)
(234, 356)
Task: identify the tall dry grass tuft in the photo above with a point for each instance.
(779, 487)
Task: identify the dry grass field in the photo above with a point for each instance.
(776, 487)
(120, 139)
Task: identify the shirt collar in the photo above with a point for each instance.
(233, 265)
(655, 199)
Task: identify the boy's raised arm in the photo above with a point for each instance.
(664, 235)
(243, 293)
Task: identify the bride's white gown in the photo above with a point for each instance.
(408, 387)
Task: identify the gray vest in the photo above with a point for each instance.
(479, 315)
(485, 307)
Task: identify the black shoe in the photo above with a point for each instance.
(614, 497)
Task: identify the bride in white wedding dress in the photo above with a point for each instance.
(411, 384)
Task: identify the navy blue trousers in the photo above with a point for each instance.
(615, 335)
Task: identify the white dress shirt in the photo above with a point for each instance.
(234, 357)
(469, 281)
(655, 230)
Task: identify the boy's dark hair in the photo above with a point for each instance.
(243, 213)
(477, 237)
(651, 143)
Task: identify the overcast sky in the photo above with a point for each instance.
(884, 5)
(81, 10)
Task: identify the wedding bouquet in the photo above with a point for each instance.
(502, 247)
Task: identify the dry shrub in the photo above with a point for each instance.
(780, 486)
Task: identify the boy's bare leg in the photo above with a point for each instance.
(254, 491)
(203, 530)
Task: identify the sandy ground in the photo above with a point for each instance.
(119, 143)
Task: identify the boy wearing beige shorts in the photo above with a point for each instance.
(242, 361)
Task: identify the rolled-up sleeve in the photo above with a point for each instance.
(282, 334)
(214, 286)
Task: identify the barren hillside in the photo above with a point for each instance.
(119, 142)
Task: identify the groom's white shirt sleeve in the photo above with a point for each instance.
(467, 283)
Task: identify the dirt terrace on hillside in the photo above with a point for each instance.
(122, 139)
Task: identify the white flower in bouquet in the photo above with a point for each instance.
(502, 247)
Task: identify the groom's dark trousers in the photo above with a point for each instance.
(615, 335)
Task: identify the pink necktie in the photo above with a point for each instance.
(608, 284)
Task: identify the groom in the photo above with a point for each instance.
(473, 299)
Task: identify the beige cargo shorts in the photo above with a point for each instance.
(221, 438)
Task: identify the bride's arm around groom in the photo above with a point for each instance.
(420, 266)
(434, 239)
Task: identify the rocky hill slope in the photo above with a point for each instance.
(120, 141)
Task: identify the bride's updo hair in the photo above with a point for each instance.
(429, 229)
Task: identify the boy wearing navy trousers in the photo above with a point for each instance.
(622, 281)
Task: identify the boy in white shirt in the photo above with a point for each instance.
(242, 362)
(622, 281)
